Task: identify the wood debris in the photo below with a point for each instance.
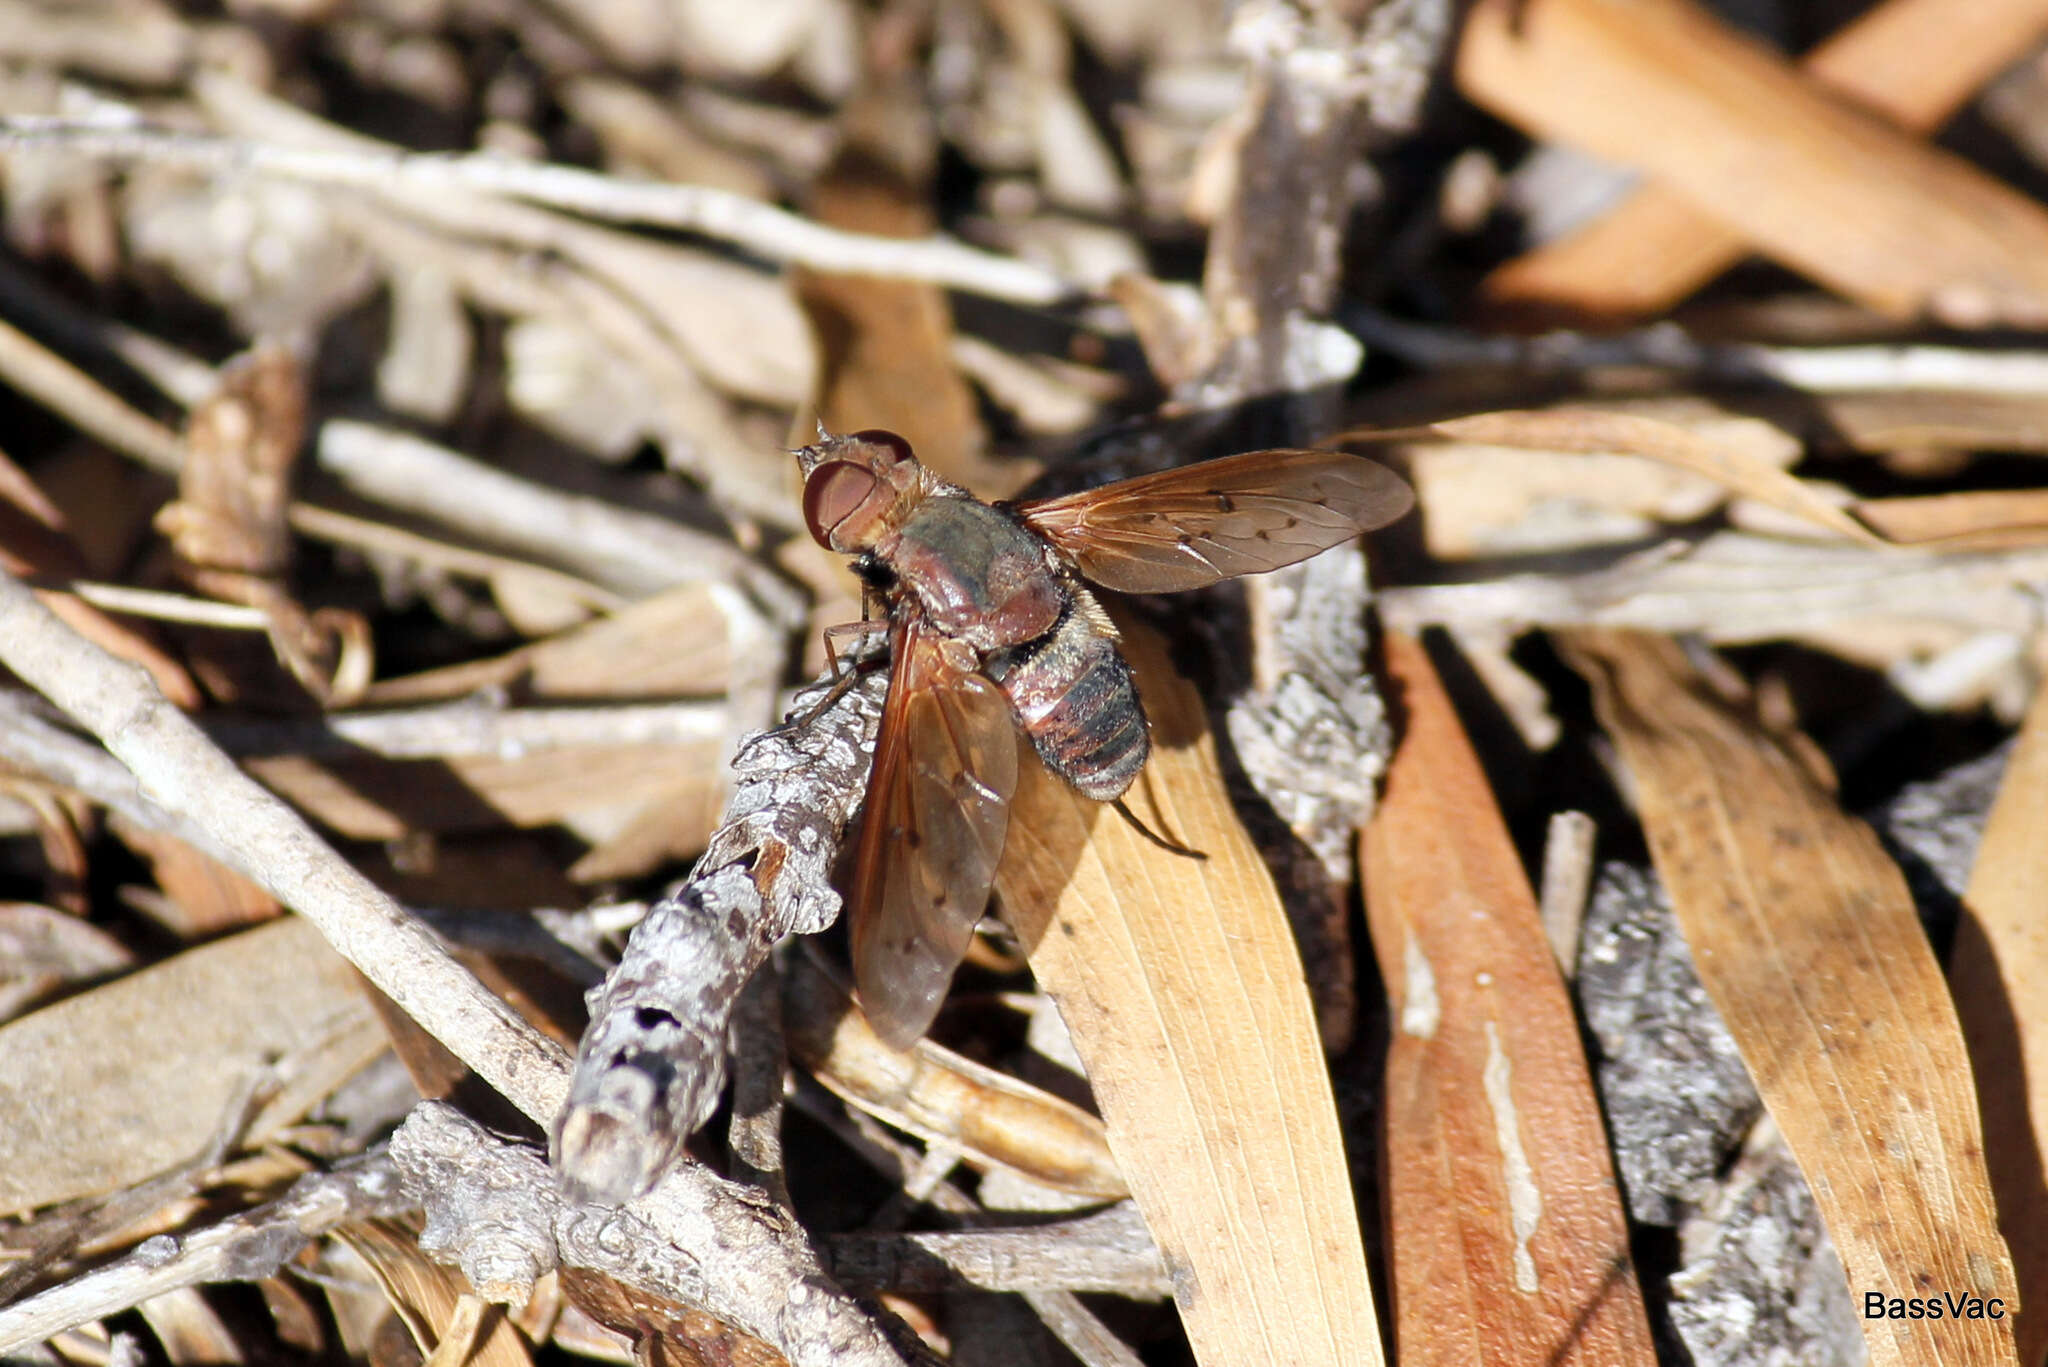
(422, 750)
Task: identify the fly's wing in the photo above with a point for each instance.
(1196, 525)
(938, 805)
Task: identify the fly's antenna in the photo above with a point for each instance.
(1142, 829)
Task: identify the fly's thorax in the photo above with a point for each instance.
(978, 574)
(1073, 694)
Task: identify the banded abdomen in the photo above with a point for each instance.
(1073, 695)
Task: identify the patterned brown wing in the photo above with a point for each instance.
(1185, 528)
(938, 806)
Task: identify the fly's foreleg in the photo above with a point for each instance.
(842, 679)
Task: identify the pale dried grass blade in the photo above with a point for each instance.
(1999, 972)
(1597, 431)
(1984, 519)
(1504, 1226)
(1915, 61)
(1180, 983)
(1864, 209)
(1806, 938)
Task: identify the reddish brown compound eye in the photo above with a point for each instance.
(898, 449)
(832, 494)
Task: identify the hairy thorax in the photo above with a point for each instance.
(979, 577)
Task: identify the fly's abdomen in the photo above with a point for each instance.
(1074, 697)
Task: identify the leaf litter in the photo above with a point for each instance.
(401, 398)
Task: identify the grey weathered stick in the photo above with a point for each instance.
(711, 1242)
(1667, 346)
(758, 227)
(261, 837)
(33, 746)
(474, 726)
(1109, 1252)
(651, 1063)
(246, 1246)
(179, 769)
(1063, 1312)
(633, 552)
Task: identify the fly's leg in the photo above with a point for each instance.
(866, 626)
(1142, 829)
(842, 679)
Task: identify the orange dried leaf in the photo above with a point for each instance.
(1914, 61)
(1504, 1224)
(1825, 189)
(1806, 939)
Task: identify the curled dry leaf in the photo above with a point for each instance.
(229, 526)
(1805, 936)
(1181, 985)
(1504, 1225)
(689, 1338)
(941, 1097)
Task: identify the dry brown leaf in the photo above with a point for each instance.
(1504, 1224)
(42, 948)
(669, 644)
(1999, 972)
(1806, 938)
(1181, 985)
(885, 346)
(688, 1338)
(1483, 498)
(242, 443)
(435, 1302)
(1596, 431)
(130, 1079)
(1974, 520)
(202, 898)
(371, 798)
(670, 826)
(1914, 61)
(1911, 421)
(1831, 192)
(35, 540)
(228, 527)
(938, 1095)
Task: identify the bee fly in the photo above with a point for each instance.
(992, 631)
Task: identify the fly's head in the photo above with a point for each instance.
(858, 487)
